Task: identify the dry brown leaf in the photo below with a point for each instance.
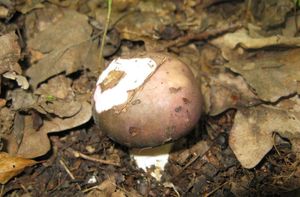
(65, 41)
(36, 143)
(139, 25)
(9, 53)
(4, 12)
(6, 120)
(58, 124)
(270, 13)
(2, 102)
(11, 166)
(145, 24)
(105, 189)
(224, 91)
(271, 75)
(118, 193)
(62, 108)
(22, 100)
(251, 135)
(21, 80)
(241, 38)
(57, 87)
(29, 5)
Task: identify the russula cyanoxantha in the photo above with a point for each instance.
(147, 100)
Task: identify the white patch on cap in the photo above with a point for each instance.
(136, 72)
(157, 157)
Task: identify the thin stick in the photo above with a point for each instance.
(2, 191)
(67, 169)
(217, 188)
(109, 2)
(102, 161)
(274, 141)
(193, 160)
(295, 13)
(202, 36)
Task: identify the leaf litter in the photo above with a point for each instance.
(248, 73)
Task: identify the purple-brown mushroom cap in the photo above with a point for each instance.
(162, 102)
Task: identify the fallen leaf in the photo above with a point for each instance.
(62, 108)
(6, 120)
(226, 90)
(241, 38)
(21, 80)
(138, 26)
(57, 87)
(36, 143)
(2, 102)
(105, 189)
(57, 97)
(9, 53)
(251, 134)
(65, 43)
(271, 13)
(4, 12)
(29, 5)
(118, 193)
(11, 166)
(271, 75)
(22, 100)
(18, 129)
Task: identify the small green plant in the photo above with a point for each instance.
(109, 3)
(297, 3)
(50, 98)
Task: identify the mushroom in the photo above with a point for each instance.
(146, 101)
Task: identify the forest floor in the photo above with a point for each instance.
(243, 53)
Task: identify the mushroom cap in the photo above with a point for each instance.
(163, 108)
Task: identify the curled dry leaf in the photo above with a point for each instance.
(21, 80)
(6, 120)
(148, 23)
(28, 6)
(241, 38)
(57, 97)
(224, 91)
(272, 75)
(22, 100)
(270, 13)
(62, 109)
(4, 12)
(106, 188)
(9, 53)
(251, 135)
(58, 87)
(11, 166)
(139, 26)
(36, 143)
(65, 41)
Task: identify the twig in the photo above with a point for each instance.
(216, 189)
(109, 2)
(274, 141)
(83, 156)
(193, 160)
(202, 36)
(2, 190)
(296, 17)
(97, 187)
(67, 169)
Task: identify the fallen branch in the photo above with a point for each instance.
(86, 157)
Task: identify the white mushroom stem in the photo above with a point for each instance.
(157, 157)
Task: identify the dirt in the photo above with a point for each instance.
(45, 100)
